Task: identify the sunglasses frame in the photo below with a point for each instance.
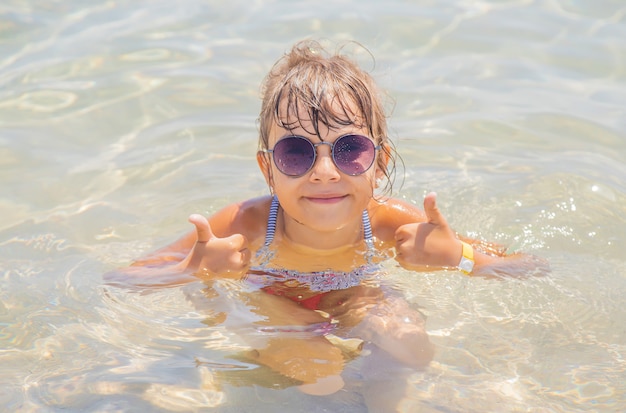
(332, 153)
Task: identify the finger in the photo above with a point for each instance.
(399, 235)
(402, 233)
(245, 257)
(203, 229)
(237, 242)
(433, 214)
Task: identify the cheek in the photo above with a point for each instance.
(367, 183)
(375, 174)
(281, 182)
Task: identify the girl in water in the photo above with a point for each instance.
(314, 245)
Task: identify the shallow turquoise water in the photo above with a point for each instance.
(120, 118)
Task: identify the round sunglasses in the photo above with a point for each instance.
(351, 154)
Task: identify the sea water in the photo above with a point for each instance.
(118, 119)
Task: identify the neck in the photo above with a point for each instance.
(347, 236)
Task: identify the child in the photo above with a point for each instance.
(312, 246)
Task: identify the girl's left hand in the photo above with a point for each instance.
(428, 244)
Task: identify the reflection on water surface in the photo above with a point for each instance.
(119, 119)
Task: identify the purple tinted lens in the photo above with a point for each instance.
(354, 154)
(294, 155)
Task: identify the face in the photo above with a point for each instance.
(323, 199)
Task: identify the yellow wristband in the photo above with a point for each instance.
(467, 260)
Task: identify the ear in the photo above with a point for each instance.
(263, 160)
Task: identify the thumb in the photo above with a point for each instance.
(433, 214)
(203, 229)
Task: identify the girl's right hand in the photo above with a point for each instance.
(216, 255)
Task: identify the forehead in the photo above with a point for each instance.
(318, 118)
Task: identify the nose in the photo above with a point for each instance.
(324, 168)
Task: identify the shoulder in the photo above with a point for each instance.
(248, 218)
(388, 216)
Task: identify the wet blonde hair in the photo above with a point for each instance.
(329, 87)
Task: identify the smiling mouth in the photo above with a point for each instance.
(326, 199)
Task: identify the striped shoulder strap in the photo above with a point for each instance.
(271, 222)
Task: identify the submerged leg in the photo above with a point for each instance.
(314, 361)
